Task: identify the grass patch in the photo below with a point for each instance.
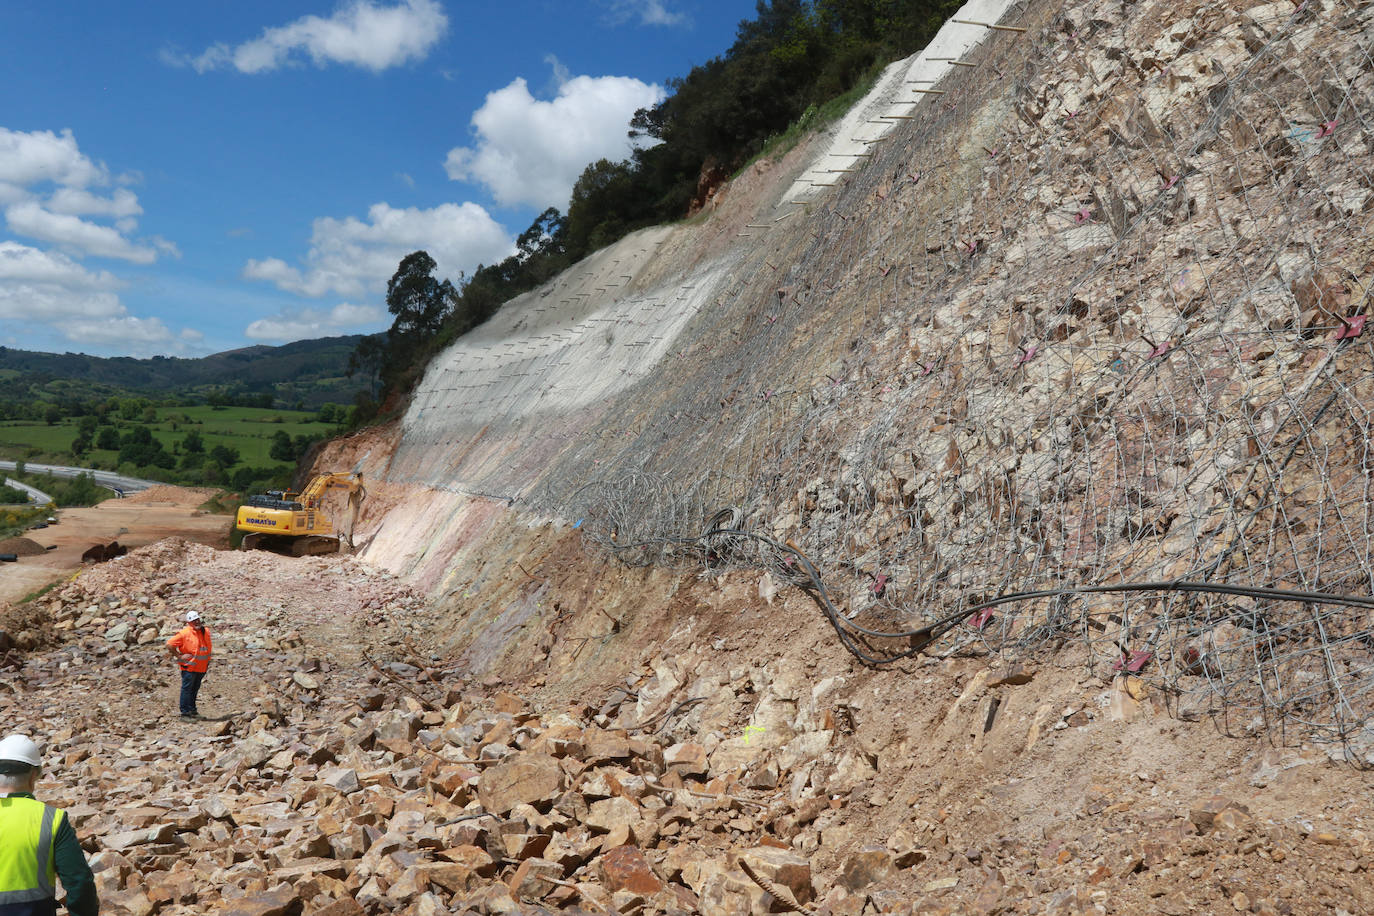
(249, 430)
(220, 504)
(19, 438)
(815, 118)
(34, 596)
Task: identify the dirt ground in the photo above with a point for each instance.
(134, 522)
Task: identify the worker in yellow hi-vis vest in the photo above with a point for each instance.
(37, 843)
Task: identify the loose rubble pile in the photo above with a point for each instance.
(707, 783)
(140, 598)
(380, 801)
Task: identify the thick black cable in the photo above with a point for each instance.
(848, 630)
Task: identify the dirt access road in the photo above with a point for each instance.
(141, 519)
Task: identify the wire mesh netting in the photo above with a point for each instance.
(1093, 314)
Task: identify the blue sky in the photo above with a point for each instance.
(183, 178)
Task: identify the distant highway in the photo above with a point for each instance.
(107, 479)
(36, 496)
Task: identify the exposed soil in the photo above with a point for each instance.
(21, 546)
(134, 522)
(167, 495)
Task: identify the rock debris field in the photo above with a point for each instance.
(330, 781)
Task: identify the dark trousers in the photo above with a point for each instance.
(40, 908)
(190, 686)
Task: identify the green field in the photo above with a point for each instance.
(248, 429)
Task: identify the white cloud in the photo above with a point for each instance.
(123, 203)
(531, 151)
(648, 12)
(274, 270)
(163, 245)
(42, 162)
(50, 288)
(40, 156)
(72, 232)
(22, 264)
(308, 323)
(45, 291)
(360, 34)
(45, 194)
(352, 257)
(561, 73)
(132, 335)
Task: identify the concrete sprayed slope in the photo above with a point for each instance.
(558, 357)
(569, 347)
(904, 85)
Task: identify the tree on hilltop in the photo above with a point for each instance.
(416, 298)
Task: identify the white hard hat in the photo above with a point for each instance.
(20, 749)
(192, 616)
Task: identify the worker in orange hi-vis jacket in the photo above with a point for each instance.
(191, 649)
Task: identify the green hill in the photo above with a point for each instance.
(308, 373)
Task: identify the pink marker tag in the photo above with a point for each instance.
(1133, 663)
(1353, 327)
(981, 619)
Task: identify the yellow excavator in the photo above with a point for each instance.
(287, 522)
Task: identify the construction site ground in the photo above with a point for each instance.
(1067, 797)
(141, 519)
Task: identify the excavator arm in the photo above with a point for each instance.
(316, 489)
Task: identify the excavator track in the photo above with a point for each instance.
(306, 546)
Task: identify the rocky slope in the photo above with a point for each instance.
(706, 784)
(1086, 315)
